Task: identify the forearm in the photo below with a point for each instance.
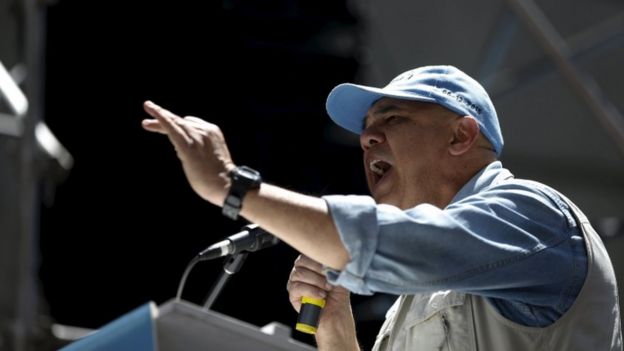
(301, 221)
(338, 333)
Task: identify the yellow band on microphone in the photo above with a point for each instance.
(319, 302)
(309, 314)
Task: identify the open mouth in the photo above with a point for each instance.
(378, 169)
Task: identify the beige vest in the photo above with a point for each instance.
(452, 321)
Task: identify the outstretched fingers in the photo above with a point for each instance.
(166, 123)
(153, 125)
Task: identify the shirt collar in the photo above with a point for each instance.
(491, 174)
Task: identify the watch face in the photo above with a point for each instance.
(247, 173)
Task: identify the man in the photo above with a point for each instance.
(482, 261)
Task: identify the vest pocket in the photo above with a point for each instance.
(428, 335)
(427, 326)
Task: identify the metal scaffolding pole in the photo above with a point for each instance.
(592, 42)
(29, 154)
(582, 83)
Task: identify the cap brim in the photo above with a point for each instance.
(347, 104)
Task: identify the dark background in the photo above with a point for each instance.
(125, 223)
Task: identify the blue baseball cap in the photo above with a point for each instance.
(347, 104)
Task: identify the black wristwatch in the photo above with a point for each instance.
(243, 179)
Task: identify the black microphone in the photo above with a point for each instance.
(251, 238)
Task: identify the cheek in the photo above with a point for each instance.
(418, 145)
(413, 143)
(429, 145)
(418, 156)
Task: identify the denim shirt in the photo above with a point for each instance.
(512, 241)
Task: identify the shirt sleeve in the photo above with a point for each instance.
(497, 243)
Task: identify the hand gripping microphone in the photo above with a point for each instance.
(309, 314)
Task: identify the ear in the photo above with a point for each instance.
(465, 134)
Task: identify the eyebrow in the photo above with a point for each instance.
(380, 111)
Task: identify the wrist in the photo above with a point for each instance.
(338, 331)
(239, 181)
(218, 188)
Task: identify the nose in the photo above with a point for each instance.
(371, 136)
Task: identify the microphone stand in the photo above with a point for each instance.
(252, 238)
(231, 266)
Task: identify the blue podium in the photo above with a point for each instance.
(179, 325)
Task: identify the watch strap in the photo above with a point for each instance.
(243, 179)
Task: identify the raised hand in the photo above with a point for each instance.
(201, 148)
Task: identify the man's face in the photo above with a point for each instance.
(404, 142)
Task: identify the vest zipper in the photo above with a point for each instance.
(445, 324)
